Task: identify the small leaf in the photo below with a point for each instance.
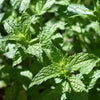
(1, 1)
(27, 74)
(19, 56)
(56, 54)
(1, 67)
(35, 50)
(47, 5)
(10, 51)
(2, 84)
(94, 78)
(17, 59)
(1, 16)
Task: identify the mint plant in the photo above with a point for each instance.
(49, 50)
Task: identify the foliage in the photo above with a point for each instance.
(49, 49)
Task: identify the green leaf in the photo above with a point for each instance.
(1, 67)
(35, 50)
(26, 21)
(26, 74)
(12, 25)
(48, 31)
(44, 74)
(94, 78)
(2, 84)
(83, 62)
(1, 16)
(10, 51)
(79, 9)
(56, 54)
(1, 1)
(22, 5)
(74, 89)
(12, 37)
(2, 46)
(18, 25)
(77, 84)
(17, 59)
(57, 37)
(19, 56)
(43, 5)
(95, 26)
(17, 28)
(62, 2)
(96, 5)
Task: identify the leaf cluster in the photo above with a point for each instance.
(49, 49)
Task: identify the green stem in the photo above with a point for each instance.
(67, 1)
(35, 40)
(30, 61)
(39, 7)
(95, 5)
(78, 1)
(41, 22)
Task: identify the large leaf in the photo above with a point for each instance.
(12, 25)
(22, 5)
(74, 90)
(18, 25)
(83, 62)
(48, 31)
(46, 73)
(77, 84)
(79, 9)
(43, 5)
